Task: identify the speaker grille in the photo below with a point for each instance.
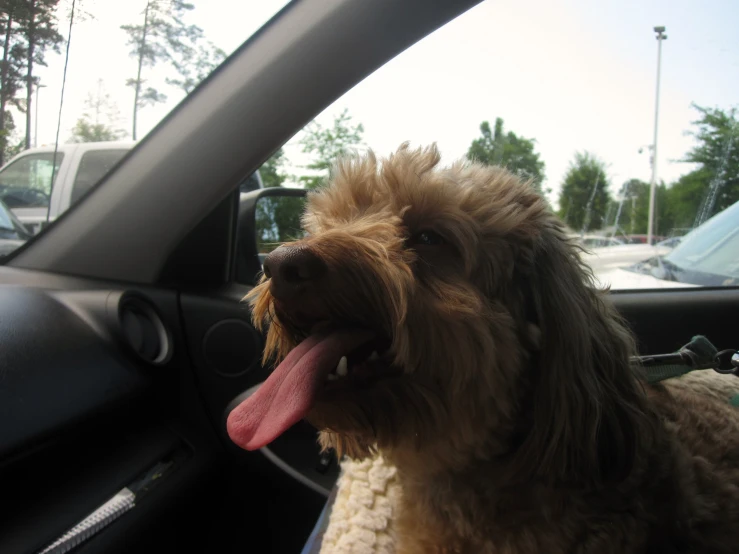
(232, 347)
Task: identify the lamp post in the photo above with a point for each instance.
(653, 183)
(35, 125)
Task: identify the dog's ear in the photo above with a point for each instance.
(588, 410)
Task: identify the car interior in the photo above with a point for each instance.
(123, 346)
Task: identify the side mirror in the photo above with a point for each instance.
(267, 218)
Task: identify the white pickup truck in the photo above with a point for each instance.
(25, 181)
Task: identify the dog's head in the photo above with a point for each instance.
(441, 312)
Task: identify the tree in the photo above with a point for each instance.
(686, 196)
(584, 197)
(38, 25)
(11, 70)
(509, 150)
(272, 170)
(100, 120)
(160, 36)
(631, 208)
(717, 153)
(633, 215)
(327, 144)
(193, 61)
(28, 30)
(11, 141)
(86, 131)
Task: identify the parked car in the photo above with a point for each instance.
(672, 242)
(12, 232)
(708, 256)
(642, 239)
(25, 181)
(596, 241)
(621, 255)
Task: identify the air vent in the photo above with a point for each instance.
(144, 331)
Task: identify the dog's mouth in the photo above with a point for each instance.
(318, 369)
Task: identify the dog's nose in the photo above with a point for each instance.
(293, 269)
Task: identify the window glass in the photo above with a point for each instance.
(124, 67)
(93, 166)
(26, 183)
(564, 93)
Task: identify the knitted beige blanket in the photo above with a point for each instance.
(361, 520)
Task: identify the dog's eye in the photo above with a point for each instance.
(427, 238)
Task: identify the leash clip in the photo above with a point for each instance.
(727, 362)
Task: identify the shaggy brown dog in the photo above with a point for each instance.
(502, 391)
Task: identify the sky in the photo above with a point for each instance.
(573, 74)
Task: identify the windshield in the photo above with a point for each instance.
(712, 248)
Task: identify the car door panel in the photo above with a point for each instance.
(51, 498)
(83, 415)
(665, 320)
(226, 353)
(662, 322)
(39, 400)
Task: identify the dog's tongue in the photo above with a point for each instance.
(289, 392)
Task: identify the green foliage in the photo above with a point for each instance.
(147, 96)
(161, 36)
(164, 36)
(697, 195)
(86, 131)
(272, 170)
(634, 216)
(15, 52)
(28, 29)
(39, 28)
(10, 142)
(634, 200)
(717, 153)
(193, 61)
(584, 197)
(327, 144)
(509, 150)
(100, 120)
(686, 196)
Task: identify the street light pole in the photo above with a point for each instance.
(35, 124)
(653, 183)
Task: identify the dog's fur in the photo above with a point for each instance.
(517, 424)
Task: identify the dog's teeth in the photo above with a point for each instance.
(343, 368)
(332, 377)
(374, 356)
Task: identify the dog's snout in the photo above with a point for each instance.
(292, 269)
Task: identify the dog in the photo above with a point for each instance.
(442, 318)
